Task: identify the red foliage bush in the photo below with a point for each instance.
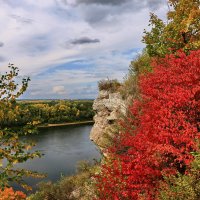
(166, 123)
(10, 194)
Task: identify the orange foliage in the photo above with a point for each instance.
(10, 194)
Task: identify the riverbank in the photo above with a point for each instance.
(65, 124)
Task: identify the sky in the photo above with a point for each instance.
(67, 46)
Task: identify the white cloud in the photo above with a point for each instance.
(38, 35)
(59, 89)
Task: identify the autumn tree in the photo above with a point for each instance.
(181, 31)
(12, 149)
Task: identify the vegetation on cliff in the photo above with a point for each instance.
(109, 85)
(166, 121)
(156, 154)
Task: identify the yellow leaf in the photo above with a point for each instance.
(1, 162)
(15, 161)
(28, 147)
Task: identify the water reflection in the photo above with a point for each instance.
(63, 148)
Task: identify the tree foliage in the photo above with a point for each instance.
(164, 131)
(10, 194)
(55, 111)
(12, 149)
(182, 31)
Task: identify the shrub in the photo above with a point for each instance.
(140, 65)
(164, 130)
(182, 186)
(64, 188)
(109, 85)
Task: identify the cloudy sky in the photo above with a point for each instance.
(67, 46)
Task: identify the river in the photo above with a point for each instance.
(63, 148)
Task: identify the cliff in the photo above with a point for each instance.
(108, 106)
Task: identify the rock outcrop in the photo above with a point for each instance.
(108, 107)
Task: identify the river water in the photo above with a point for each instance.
(63, 148)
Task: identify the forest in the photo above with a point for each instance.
(47, 112)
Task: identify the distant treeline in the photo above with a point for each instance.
(44, 112)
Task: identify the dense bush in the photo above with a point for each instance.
(163, 132)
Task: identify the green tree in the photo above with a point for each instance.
(13, 149)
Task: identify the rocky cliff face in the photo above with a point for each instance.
(108, 107)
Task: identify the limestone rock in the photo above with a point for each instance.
(108, 107)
